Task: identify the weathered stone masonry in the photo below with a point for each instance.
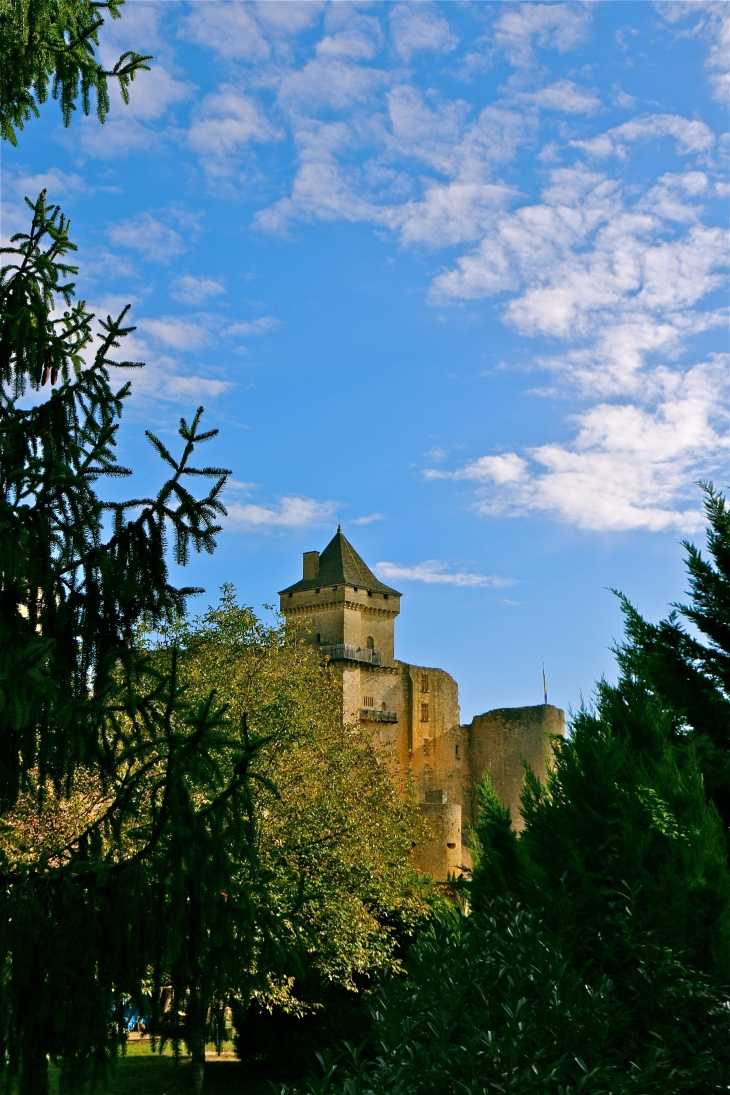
(414, 709)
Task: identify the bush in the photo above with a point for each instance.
(490, 1004)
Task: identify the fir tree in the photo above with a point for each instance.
(54, 42)
(83, 921)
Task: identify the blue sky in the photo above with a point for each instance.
(454, 273)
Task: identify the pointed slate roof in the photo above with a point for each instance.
(340, 564)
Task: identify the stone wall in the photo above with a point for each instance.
(498, 740)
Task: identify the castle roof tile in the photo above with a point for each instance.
(340, 564)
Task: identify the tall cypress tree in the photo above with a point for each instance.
(685, 659)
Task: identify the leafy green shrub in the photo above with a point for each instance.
(491, 1004)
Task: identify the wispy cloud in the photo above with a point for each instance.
(417, 27)
(291, 512)
(564, 96)
(261, 326)
(224, 124)
(436, 572)
(711, 22)
(690, 135)
(196, 290)
(164, 377)
(152, 238)
(628, 466)
(368, 519)
(177, 332)
(521, 29)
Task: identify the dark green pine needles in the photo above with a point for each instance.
(128, 874)
(54, 42)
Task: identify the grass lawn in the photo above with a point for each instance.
(142, 1072)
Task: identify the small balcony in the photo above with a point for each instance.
(375, 714)
(343, 652)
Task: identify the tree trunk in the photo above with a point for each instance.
(198, 1070)
(197, 1026)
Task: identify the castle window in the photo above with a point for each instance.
(368, 701)
(424, 682)
(370, 643)
(424, 712)
(450, 845)
(291, 594)
(456, 750)
(385, 596)
(318, 637)
(370, 593)
(316, 591)
(334, 589)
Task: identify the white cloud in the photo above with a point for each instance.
(159, 381)
(449, 215)
(520, 28)
(690, 136)
(289, 17)
(368, 519)
(226, 122)
(229, 29)
(587, 267)
(329, 81)
(711, 22)
(162, 376)
(154, 239)
(426, 127)
(628, 467)
(177, 332)
(359, 40)
(261, 326)
(434, 571)
(420, 27)
(668, 198)
(292, 512)
(60, 185)
(195, 290)
(564, 96)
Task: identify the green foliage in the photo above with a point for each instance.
(494, 847)
(54, 42)
(690, 669)
(624, 813)
(491, 1004)
(335, 830)
(77, 570)
(616, 981)
(118, 793)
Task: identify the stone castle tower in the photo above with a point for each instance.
(414, 709)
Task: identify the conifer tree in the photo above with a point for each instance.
(54, 42)
(690, 669)
(80, 706)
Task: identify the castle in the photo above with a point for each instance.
(414, 709)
